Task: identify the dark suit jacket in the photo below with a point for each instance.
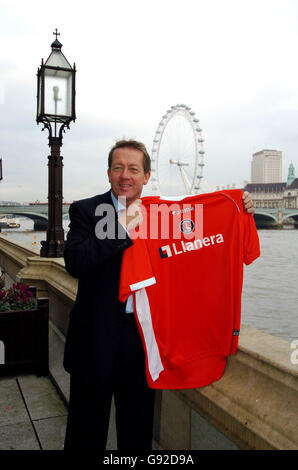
(97, 316)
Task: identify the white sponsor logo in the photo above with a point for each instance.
(182, 211)
(180, 247)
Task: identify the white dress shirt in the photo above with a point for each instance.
(119, 209)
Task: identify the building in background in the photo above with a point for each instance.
(291, 190)
(291, 175)
(266, 167)
(266, 195)
(275, 195)
(227, 186)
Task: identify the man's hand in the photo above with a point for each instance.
(247, 203)
(132, 217)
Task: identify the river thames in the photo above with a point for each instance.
(270, 286)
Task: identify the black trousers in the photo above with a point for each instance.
(90, 405)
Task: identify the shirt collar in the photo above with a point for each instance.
(118, 206)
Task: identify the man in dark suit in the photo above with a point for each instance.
(103, 351)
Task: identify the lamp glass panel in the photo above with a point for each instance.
(39, 94)
(57, 93)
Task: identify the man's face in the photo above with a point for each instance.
(126, 174)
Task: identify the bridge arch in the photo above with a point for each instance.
(36, 212)
(293, 215)
(40, 220)
(265, 219)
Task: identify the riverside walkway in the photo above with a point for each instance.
(33, 416)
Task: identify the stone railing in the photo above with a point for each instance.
(253, 406)
(13, 256)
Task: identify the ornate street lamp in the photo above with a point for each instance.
(55, 109)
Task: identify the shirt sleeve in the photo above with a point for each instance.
(136, 269)
(251, 244)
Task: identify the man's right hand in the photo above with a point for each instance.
(132, 217)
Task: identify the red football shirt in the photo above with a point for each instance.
(185, 271)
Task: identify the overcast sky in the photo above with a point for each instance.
(234, 62)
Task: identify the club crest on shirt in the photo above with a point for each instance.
(187, 226)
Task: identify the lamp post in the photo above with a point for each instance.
(55, 109)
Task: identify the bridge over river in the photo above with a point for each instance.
(276, 218)
(264, 218)
(37, 212)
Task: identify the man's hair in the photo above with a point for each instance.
(135, 145)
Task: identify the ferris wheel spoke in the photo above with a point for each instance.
(177, 153)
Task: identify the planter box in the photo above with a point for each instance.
(24, 340)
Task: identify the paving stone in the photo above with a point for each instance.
(19, 436)
(47, 411)
(112, 434)
(51, 432)
(41, 397)
(204, 436)
(12, 409)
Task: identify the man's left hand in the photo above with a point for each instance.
(247, 203)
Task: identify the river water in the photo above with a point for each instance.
(270, 287)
